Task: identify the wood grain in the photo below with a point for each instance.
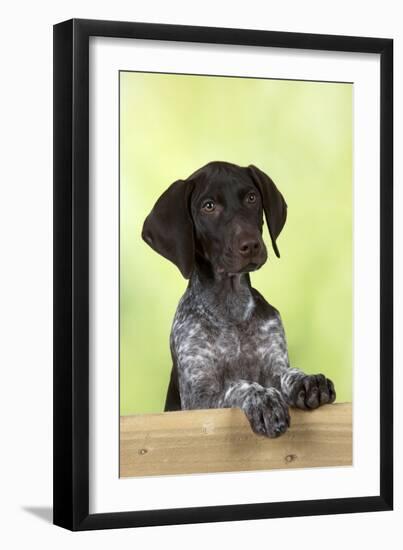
(221, 440)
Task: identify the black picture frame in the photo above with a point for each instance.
(71, 273)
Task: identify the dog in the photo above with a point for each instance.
(227, 342)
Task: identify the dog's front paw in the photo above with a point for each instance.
(308, 391)
(266, 411)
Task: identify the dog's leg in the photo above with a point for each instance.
(305, 391)
(173, 400)
(265, 408)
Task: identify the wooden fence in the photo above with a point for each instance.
(221, 440)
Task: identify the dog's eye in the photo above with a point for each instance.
(208, 206)
(251, 197)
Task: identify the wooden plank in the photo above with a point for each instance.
(221, 440)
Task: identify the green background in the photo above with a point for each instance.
(300, 133)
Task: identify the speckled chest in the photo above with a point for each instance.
(236, 349)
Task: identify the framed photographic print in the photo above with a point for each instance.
(223, 274)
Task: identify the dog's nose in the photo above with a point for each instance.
(249, 247)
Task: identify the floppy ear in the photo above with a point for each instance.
(168, 229)
(274, 205)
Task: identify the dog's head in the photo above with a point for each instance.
(216, 216)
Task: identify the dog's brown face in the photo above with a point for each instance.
(216, 216)
(227, 213)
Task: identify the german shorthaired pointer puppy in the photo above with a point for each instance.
(228, 344)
